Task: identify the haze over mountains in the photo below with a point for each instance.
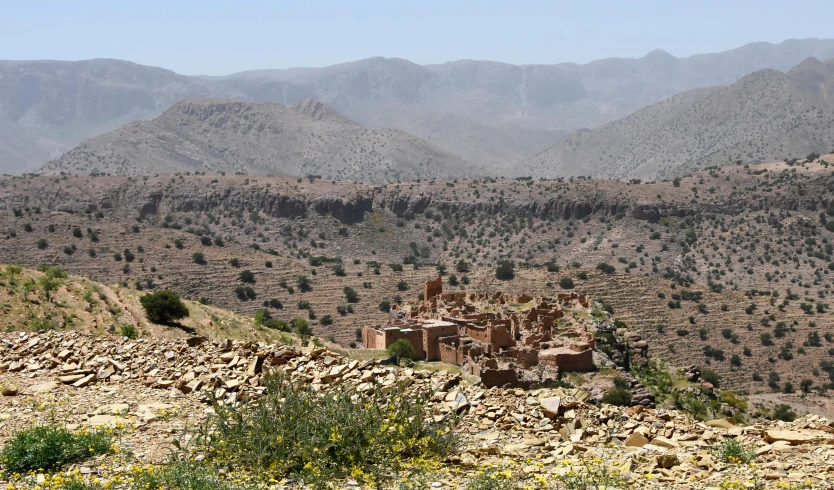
(766, 116)
(489, 114)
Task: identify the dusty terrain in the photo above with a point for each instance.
(690, 262)
(152, 390)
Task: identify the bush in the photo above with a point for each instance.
(163, 306)
(303, 284)
(605, 268)
(783, 412)
(385, 306)
(711, 377)
(566, 283)
(617, 396)
(326, 320)
(129, 331)
(350, 294)
(733, 451)
(49, 448)
(401, 349)
(198, 258)
(402, 286)
(245, 293)
(247, 276)
(505, 270)
(302, 327)
(185, 475)
(42, 243)
(294, 431)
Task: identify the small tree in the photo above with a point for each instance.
(401, 349)
(303, 284)
(783, 412)
(49, 283)
(605, 268)
(505, 270)
(247, 276)
(163, 306)
(350, 295)
(302, 327)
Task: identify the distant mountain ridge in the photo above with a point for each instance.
(487, 112)
(224, 135)
(766, 116)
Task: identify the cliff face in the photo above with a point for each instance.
(349, 203)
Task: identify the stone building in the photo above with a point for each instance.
(505, 340)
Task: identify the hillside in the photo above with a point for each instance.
(502, 112)
(688, 262)
(225, 136)
(765, 116)
(73, 303)
(154, 402)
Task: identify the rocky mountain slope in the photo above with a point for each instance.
(766, 116)
(229, 136)
(151, 391)
(731, 269)
(56, 105)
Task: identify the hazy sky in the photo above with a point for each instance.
(220, 37)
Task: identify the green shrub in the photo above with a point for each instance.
(247, 276)
(401, 349)
(711, 377)
(385, 306)
(295, 431)
(163, 306)
(129, 331)
(505, 270)
(184, 475)
(783, 412)
(617, 396)
(350, 294)
(732, 451)
(566, 283)
(605, 268)
(302, 327)
(49, 448)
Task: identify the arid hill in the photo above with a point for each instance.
(730, 268)
(226, 136)
(765, 116)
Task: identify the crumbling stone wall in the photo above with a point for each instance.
(433, 288)
(503, 339)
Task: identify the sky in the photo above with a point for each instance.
(211, 37)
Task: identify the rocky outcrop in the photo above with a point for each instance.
(348, 211)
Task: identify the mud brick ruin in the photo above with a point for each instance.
(505, 340)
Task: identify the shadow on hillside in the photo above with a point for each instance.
(184, 328)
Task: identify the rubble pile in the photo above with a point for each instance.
(546, 433)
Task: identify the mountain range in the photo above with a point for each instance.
(492, 115)
(766, 116)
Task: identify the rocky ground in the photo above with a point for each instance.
(154, 388)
